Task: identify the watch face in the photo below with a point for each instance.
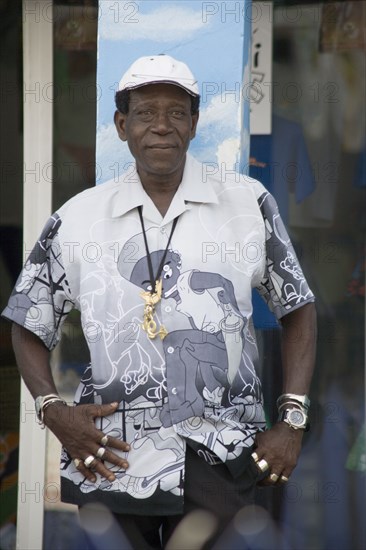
(296, 417)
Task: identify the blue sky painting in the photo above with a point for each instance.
(213, 38)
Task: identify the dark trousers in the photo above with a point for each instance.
(209, 488)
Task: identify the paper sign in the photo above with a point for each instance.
(261, 73)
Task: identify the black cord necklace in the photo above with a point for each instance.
(153, 296)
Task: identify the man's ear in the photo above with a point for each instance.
(120, 124)
(195, 118)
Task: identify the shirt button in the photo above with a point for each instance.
(168, 309)
(170, 349)
(162, 230)
(174, 391)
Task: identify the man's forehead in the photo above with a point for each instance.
(159, 91)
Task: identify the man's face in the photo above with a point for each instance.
(158, 128)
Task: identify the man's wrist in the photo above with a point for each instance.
(42, 402)
(300, 400)
(293, 410)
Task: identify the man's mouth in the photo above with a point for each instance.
(161, 146)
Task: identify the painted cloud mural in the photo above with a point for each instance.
(212, 38)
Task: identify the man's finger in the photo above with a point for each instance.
(117, 444)
(93, 411)
(109, 456)
(100, 468)
(95, 466)
(86, 472)
(105, 410)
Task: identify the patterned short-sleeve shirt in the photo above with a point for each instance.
(198, 385)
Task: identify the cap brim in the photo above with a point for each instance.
(172, 82)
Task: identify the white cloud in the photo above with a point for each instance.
(223, 111)
(219, 131)
(228, 152)
(124, 21)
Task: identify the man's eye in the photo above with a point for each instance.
(178, 114)
(146, 113)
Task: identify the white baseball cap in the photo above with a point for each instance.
(157, 69)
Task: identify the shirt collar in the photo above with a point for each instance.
(195, 187)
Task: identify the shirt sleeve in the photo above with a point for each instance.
(283, 286)
(41, 298)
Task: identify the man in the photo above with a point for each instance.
(170, 409)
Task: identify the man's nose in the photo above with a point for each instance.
(162, 123)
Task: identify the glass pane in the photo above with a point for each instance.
(316, 170)
(75, 34)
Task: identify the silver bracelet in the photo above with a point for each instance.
(303, 400)
(42, 402)
(291, 403)
(50, 401)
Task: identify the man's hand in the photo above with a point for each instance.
(75, 428)
(280, 448)
(281, 445)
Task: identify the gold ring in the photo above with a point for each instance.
(284, 479)
(274, 478)
(77, 462)
(88, 461)
(255, 457)
(262, 465)
(104, 440)
(100, 452)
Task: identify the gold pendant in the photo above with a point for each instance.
(151, 299)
